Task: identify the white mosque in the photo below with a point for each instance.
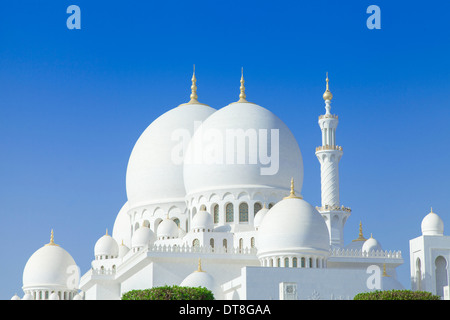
(214, 200)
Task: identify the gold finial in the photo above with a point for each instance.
(360, 236)
(384, 271)
(292, 194)
(199, 269)
(431, 210)
(194, 96)
(106, 232)
(327, 94)
(52, 241)
(242, 96)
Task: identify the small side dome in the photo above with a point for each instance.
(260, 216)
(142, 237)
(106, 247)
(432, 225)
(53, 296)
(371, 244)
(200, 278)
(77, 297)
(123, 250)
(27, 296)
(202, 221)
(15, 297)
(167, 229)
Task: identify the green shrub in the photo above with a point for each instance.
(170, 293)
(396, 295)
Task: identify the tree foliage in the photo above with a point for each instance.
(170, 293)
(396, 295)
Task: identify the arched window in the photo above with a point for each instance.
(418, 275)
(211, 242)
(441, 275)
(271, 205)
(229, 213)
(177, 221)
(243, 212)
(216, 213)
(224, 244)
(241, 244)
(286, 262)
(271, 263)
(310, 262)
(294, 262)
(252, 242)
(256, 207)
(303, 262)
(136, 226)
(196, 243)
(278, 262)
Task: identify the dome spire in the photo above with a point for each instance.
(384, 271)
(52, 241)
(193, 96)
(242, 96)
(327, 94)
(292, 194)
(199, 269)
(360, 236)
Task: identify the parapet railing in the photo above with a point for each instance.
(366, 254)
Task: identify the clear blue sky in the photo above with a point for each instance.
(74, 102)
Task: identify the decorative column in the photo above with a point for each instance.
(329, 154)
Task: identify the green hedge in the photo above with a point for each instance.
(170, 293)
(396, 295)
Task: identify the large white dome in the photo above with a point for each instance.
(122, 226)
(155, 170)
(209, 166)
(50, 266)
(293, 226)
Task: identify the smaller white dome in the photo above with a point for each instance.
(142, 237)
(167, 229)
(77, 297)
(260, 216)
(106, 246)
(15, 297)
(123, 250)
(200, 278)
(202, 220)
(432, 225)
(371, 244)
(53, 296)
(27, 296)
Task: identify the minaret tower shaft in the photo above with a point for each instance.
(329, 155)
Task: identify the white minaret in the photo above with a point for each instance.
(329, 155)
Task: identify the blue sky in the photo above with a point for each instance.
(74, 102)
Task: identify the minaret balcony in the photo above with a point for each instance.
(322, 148)
(326, 116)
(333, 208)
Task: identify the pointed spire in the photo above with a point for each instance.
(431, 210)
(199, 269)
(327, 94)
(242, 96)
(360, 236)
(384, 271)
(106, 234)
(52, 241)
(292, 194)
(193, 96)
